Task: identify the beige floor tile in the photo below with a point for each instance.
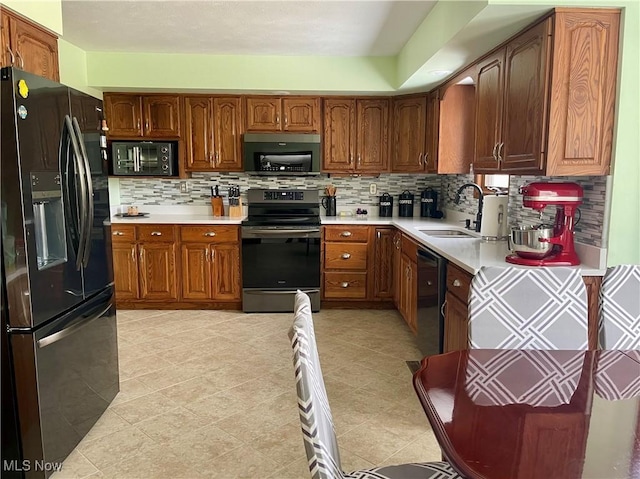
(108, 423)
(144, 407)
(116, 447)
(283, 444)
(135, 367)
(170, 425)
(163, 378)
(423, 449)
(257, 390)
(217, 406)
(372, 442)
(131, 389)
(75, 466)
(202, 447)
(352, 462)
(190, 390)
(299, 469)
(241, 463)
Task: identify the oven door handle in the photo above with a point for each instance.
(308, 291)
(281, 232)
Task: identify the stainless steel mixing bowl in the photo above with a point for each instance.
(525, 241)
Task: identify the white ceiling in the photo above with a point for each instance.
(331, 28)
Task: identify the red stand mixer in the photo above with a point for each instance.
(555, 248)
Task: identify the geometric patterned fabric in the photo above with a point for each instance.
(318, 431)
(617, 374)
(620, 308)
(534, 308)
(537, 378)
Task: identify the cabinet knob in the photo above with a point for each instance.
(346, 255)
(429, 283)
(344, 284)
(138, 124)
(420, 159)
(346, 234)
(13, 57)
(20, 58)
(156, 233)
(286, 120)
(277, 118)
(426, 159)
(118, 233)
(493, 153)
(146, 125)
(209, 233)
(457, 283)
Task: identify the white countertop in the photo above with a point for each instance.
(468, 253)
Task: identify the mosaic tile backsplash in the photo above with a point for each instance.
(354, 192)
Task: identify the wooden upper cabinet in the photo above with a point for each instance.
(545, 100)
(409, 133)
(339, 134)
(29, 47)
(583, 86)
(136, 116)
(297, 114)
(213, 133)
(432, 132)
(455, 145)
(372, 120)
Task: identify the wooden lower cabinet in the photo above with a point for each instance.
(456, 324)
(169, 266)
(383, 255)
(409, 291)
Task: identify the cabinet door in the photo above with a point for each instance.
(301, 114)
(339, 135)
(124, 115)
(525, 94)
(409, 131)
(198, 119)
(372, 119)
(384, 249)
(5, 56)
(125, 270)
(36, 51)
(196, 271)
(161, 116)
(408, 292)
(456, 324)
(226, 272)
(263, 114)
(397, 269)
(432, 132)
(227, 132)
(489, 91)
(158, 274)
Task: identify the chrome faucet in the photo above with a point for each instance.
(478, 220)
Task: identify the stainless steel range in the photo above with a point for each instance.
(280, 249)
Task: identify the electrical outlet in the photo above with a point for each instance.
(184, 187)
(373, 189)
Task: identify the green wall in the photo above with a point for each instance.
(73, 68)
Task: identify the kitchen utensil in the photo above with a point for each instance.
(494, 218)
(525, 241)
(385, 207)
(235, 204)
(405, 204)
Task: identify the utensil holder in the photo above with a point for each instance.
(235, 211)
(217, 206)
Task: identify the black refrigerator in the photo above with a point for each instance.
(60, 355)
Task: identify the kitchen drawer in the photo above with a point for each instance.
(123, 233)
(345, 256)
(409, 247)
(458, 282)
(338, 285)
(209, 234)
(355, 234)
(158, 233)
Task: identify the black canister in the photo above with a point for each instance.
(428, 203)
(386, 206)
(405, 204)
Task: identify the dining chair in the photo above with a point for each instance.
(620, 308)
(318, 432)
(528, 308)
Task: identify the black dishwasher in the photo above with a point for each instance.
(432, 285)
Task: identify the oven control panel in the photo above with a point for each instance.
(283, 195)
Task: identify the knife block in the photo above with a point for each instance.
(217, 206)
(236, 210)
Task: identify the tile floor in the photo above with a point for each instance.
(211, 394)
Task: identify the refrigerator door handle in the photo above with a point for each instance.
(79, 167)
(57, 336)
(89, 196)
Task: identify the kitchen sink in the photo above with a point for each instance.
(448, 234)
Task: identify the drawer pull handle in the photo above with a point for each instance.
(346, 255)
(457, 283)
(346, 234)
(156, 233)
(118, 233)
(429, 283)
(344, 284)
(209, 233)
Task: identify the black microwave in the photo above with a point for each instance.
(144, 158)
(282, 154)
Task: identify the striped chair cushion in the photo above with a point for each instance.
(535, 308)
(428, 470)
(620, 308)
(617, 375)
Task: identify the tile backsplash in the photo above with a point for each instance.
(354, 192)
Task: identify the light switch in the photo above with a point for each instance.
(373, 189)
